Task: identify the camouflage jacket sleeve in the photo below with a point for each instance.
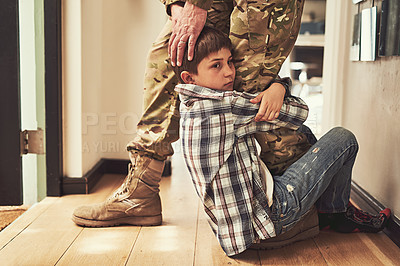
(204, 4)
(285, 82)
(168, 4)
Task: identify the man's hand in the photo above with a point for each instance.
(271, 102)
(187, 23)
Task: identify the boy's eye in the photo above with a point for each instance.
(216, 65)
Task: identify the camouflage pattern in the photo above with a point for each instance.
(204, 4)
(281, 147)
(159, 124)
(262, 32)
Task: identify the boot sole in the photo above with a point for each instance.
(309, 233)
(138, 221)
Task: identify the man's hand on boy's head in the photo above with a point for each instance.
(271, 101)
(187, 23)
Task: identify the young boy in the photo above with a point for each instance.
(244, 203)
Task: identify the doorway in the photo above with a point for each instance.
(31, 85)
(305, 63)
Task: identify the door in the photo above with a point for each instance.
(10, 159)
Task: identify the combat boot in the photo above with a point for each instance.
(135, 202)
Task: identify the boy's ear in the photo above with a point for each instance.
(187, 77)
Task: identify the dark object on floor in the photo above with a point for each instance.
(167, 168)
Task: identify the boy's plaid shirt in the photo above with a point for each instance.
(217, 134)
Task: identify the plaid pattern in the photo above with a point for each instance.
(217, 134)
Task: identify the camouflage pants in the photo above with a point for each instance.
(263, 34)
(281, 147)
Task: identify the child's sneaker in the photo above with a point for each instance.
(354, 220)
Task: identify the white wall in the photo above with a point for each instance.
(371, 109)
(72, 88)
(366, 100)
(105, 49)
(92, 59)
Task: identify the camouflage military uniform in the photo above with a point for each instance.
(281, 148)
(263, 33)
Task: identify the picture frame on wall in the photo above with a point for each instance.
(389, 41)
(356, 39)
(368, 34)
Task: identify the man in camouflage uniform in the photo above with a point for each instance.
(263, 33)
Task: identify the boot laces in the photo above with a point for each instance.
(124, 188)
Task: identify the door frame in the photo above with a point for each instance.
(53, 96)
(336, 56)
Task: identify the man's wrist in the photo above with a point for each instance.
(286, 83)
(204, 4)
(169, 7)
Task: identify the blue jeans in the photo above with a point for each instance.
(322, 177)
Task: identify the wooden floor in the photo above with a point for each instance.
(45, 235)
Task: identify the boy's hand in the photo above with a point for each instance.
(271, 102)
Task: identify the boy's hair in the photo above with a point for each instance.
(210, 40)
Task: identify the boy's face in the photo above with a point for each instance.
(215, 71)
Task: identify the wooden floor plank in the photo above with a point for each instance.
(24, 221)
(357, 249)
(101, 246)
(301, 253)
(47, 238)
(382, 247)
(173, 242)
(209, 252)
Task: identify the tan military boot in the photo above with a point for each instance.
(135, 202)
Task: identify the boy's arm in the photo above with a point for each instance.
(293, 113)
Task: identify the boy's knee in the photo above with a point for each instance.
(345, 135)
